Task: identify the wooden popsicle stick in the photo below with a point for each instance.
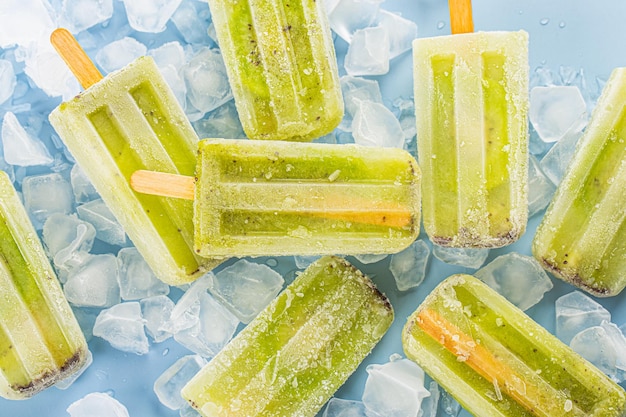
(75, 57)
(461, 16)
(181, 186)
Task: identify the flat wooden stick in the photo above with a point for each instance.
(75, 57)
(461, 16)
(181, 186)
(163, 184)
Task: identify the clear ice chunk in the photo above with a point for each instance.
(206, 81)
(107, 227)
(302, 262)
(449, 405)
(156, 311)
(348, 16)
(467, 257)
(540, 187)
(123, 327)
(64, 236)
(23, 22)
(45, 195)
(97, 404)
(368, 53)
(519, 278)
(78, 15)
(192, 19)
(401, 32)
(557, 110)
(370, 258)
(430, 404)
(8, 80)
(82, 187)
(337, 407)
(605, 347)
(94, 283)
(375, 125)
(408, 267)
(20, 148)
(576, 312)
(136, 279)
(168, 385)
(555, 161)
(246, 288)
(150, 15)
(222, 122)
(120, 53)
(395, 389)
(355, 89)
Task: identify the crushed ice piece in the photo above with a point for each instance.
(430, 404)
(555, 161)
(150, 15)
(23, 22)
(519, 278)
(8, 80)
(338, 407)
(20, 148)
(78, 15)
(348, 16)
(246, 288)
(123, 327)
(302, 262)
(191, 19)
(64, 236)
(576, 312)
(82, 187)
(94, 283)
(107, 227)
(540, 188)
(68, 381)
(355, 89)
(156, 311)
(408, 267)
(543, 77)
(556, 111)
(368, 53)
(206, 81)
(401, 32)
(375, 125)
(222, 122)
(120, 53)
(97, 404)
(45, 195)
(605, 347)
(449, 405)
(168, 385)
(170, 57)
(467, 257)
(136, 279)
(185, 313)
(406, 117)
(370, 258)
(395, 389)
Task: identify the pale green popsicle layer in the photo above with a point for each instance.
(471, 102)
(40, 340)
(582, 237)
(257, 198)
(281, 65)
(496, 361)
(130, 121)
(291, 359)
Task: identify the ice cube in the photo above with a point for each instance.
(136, 279)
(370, 258)
(449, 405)
(23, 22)
(408, 267)
(353, 90)
(97, 404)
(222, 122)
(45, 195)
(467, 257)
(206, 81)
(150, 15)
(337, 407)
(94, 283)
(430, 404)
(395, 389)
(82, 187)
(375, 125)
(168, 385)
(519, 278)
(605, 347)
(156, 311)
(48, 71)
(555, 161)
(107, 227)
(540, 188)
(368, 53)
(8, 80)
(557, 110)
(406, 117)
(64, 235)
(185, 313)
(120, 53)
(78, 15)
(123, 327)
(302, 262)
(168, 54)
(192, 19)
(20, 148)
(246, 288)
(576, 312)
(347, 16)
(401, 32)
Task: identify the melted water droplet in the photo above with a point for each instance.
(562, 24)
(441, 24)
(544, 21)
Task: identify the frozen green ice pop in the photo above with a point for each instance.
(496, 361)
(40, 340)
(281, 66)
(298, 351)
(127, 121)
(256, 198)
(582, 237)
(471, 101)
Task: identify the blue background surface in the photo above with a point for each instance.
(579, 33)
